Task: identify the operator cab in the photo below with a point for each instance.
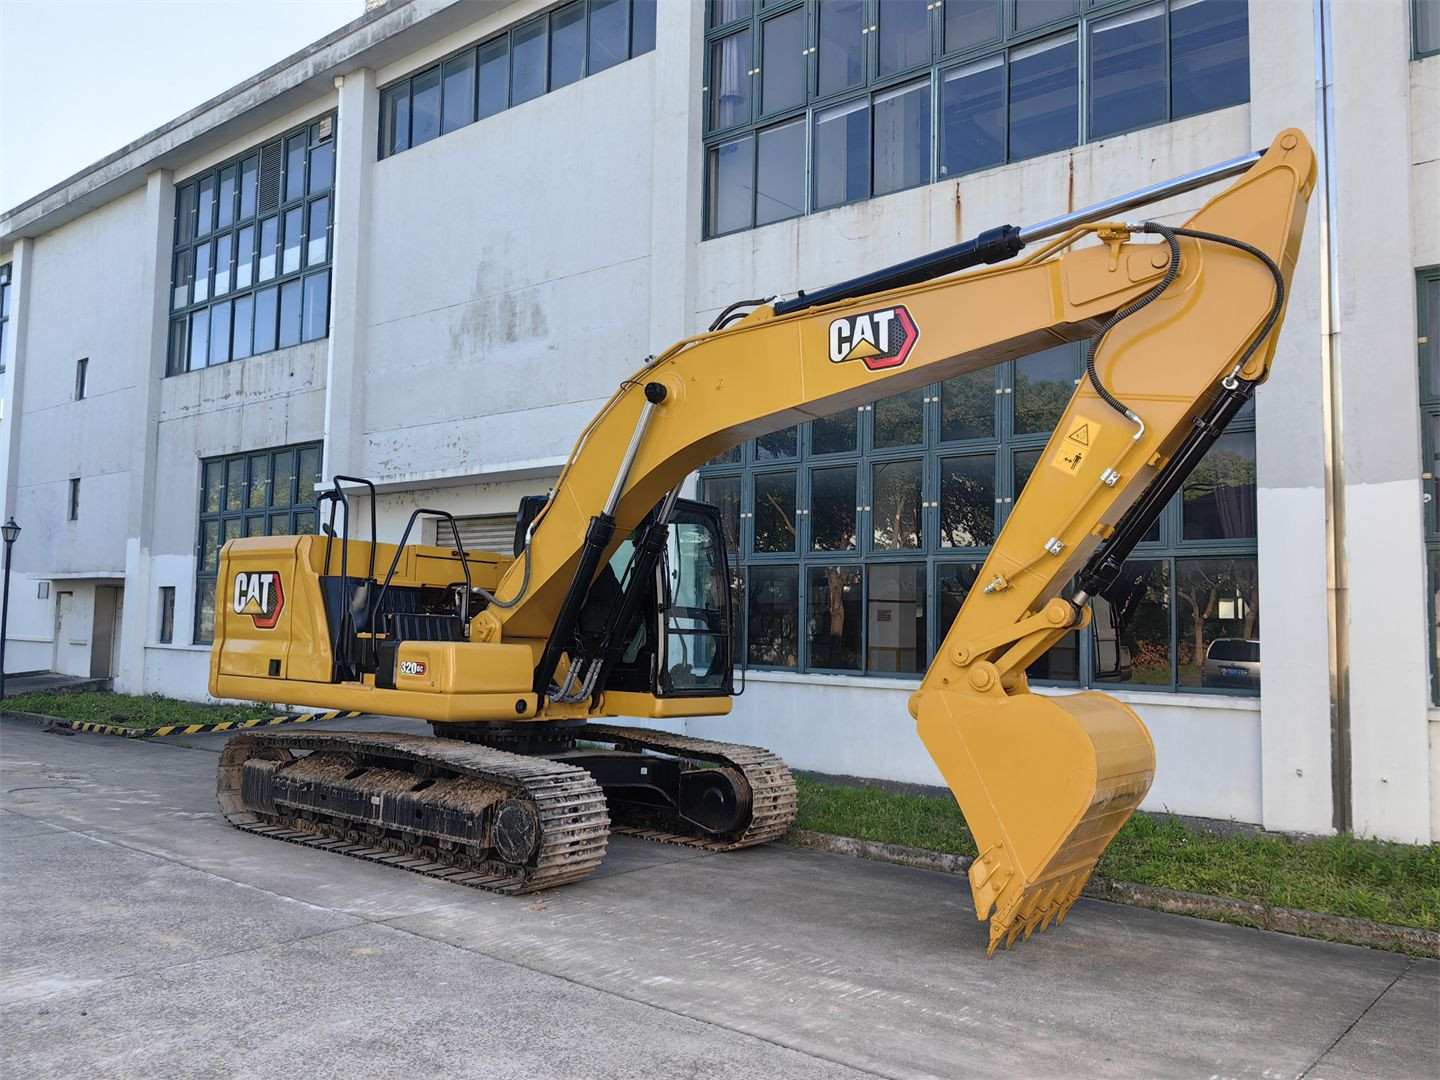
(677, 641)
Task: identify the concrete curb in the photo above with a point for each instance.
(1309, 924)
(174, 729)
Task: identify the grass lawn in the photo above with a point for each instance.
(103, 707)
(1337, 875)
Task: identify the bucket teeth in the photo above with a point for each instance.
(1035, 909)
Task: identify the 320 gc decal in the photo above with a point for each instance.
(879, 339)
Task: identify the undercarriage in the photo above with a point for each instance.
(512, 808)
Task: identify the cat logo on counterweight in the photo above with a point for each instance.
(259, 595)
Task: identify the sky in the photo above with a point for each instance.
(81, 78)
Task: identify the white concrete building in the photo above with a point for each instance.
(425, 248)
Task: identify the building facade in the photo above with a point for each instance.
(427, 247)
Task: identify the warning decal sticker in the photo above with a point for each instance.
(1075, 447)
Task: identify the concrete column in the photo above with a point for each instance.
(1295, 717)
(677, 178)
(154, 269)
(22, 258)
(1379, 409)
(357, 127)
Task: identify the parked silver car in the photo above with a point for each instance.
(1232, 663)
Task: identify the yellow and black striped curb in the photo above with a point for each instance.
(181, 729)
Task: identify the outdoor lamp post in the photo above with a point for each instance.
(11, 533)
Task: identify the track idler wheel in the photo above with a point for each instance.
(717, 800)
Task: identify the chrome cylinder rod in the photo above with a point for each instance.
(1110, 208)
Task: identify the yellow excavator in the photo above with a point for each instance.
(615, 601)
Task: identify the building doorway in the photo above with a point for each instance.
(105, 633)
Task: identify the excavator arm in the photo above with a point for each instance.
(1180, 323)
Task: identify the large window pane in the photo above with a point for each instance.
(317, 235)
(970, 22)
(967, 501)
(900, 419)
(1219, 496)
(780, 189)
(199, 340)
(832, 509)
(773, 615)
(1130, 626)
(284, 478)
(732, 185)
(290, 313)
(1427, 26)
(244, 257)
(775, 512)
(223, 262)
(723, 493)
(295, 166)
(567, 45)
(841, 45)
(972, 116)
(202, 272)
(424, 106)
(459, 104)
(834, 434)
(1044, 384)
(225, 200)
(642, 27)
(1127, 71)
(1218, 637)
(265, 313)
(833, 628)
(179, 344)
(896, 513)
(185, 214)
(782, 62)
(778, 445)
(967, 407)
(269, 239)
(902, 137)
(322, 162)
(395, 119)
(527, 61)
(249, 174)
(244, 328)
(180, 278)
(730, 81)
(895, 633)
(841, 154)
(294, 226)
(953, 582)
(1044, 97)
(316, 317)
(726, 11)
(1209, 55)
(219, 334)
(609, 33)
(904, 35)
(205, 206)
(494, 77)
(1032, 13)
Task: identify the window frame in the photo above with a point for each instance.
(402, 87)
(1416, 52)
(1003, 443)
(1427, 331)
(6, 284)
(1006, 41)
(314, 137)
(247, 515)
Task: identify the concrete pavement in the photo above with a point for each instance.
(143, 937)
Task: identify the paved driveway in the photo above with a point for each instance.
(140, 936)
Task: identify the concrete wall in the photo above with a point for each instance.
(492, 286)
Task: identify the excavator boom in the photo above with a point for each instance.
(1181, 321)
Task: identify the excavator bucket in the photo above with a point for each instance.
(1045, 783)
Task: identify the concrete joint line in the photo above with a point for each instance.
(1311, 924)
(1363, 1013)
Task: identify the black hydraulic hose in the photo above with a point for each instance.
(725, 316)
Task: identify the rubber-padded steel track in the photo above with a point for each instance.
(573, 818)
(772, 788)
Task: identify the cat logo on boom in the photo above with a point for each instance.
(259, 595)
(878, 339)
